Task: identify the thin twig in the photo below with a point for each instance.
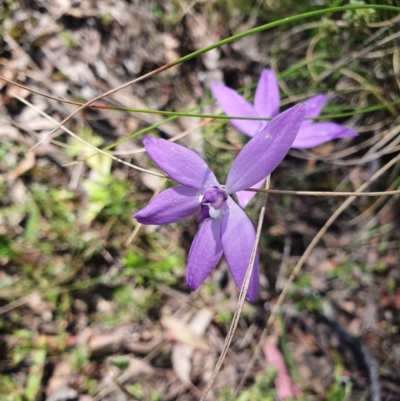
(15, 304)
(322, 193)
(242, 298)
(133, 234)
(271, 191)
(84, 142)
(323, 230)
(110, 92)
(304, 257)
(57, 99)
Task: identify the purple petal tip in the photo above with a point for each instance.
(180, 163)
(266, 150)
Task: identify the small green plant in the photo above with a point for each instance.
(223, 317)
(263, 389)
(340, 390)
(155, 395)
(11, 389)
(135, 390)
(345, 273)
(34, 379)
(67, 39)
(120, 362)
(106, 18)
(224, 394)
(79, 357)
(359, 17)
(152, 272)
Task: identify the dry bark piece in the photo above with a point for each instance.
(189, 338)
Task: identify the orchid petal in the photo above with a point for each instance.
(318, 133)
(180, 163)
(267, 98)
(346, 133)
(237, 237)
(169, 206)
(314, 107)
(265, 151)
(244, 197)
(235, 105)
(204, 254)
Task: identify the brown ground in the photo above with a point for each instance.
(76, 323)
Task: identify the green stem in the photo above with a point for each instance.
(241, 35)
(223, 117)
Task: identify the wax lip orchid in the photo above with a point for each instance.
(225, 227)
(266, 104)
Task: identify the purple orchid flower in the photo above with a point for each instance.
(266, 104)
(226, 229)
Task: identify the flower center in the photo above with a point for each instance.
(211, 200)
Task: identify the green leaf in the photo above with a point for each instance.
(34, 379)
(121, 362)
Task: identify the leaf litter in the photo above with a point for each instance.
(74, 300)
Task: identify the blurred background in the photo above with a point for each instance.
(93, 307)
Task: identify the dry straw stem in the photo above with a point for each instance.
(35, 68)
(364, 50)
(364, 215)
(242, 297)
(272, 191)
(21, 127)
(282, 38)
(323, 230)
(206, 49)
(304, 257)
(365, 85)
(173, 139)
(372, 153)
(57, 99)
(15, 304)
(141, 150)
(110, 92)
(133, 235)
(382, 137)
(354, 55)
(323, 193)
(117, 381)
(82, 140)
(386, 138)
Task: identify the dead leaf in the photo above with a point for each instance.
(189, 338)
(188, 334)
(25, 165)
